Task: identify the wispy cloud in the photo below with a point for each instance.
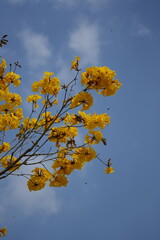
(143, 31)
(85, 42)
(37, 47)
(140, 29)
(25, 202)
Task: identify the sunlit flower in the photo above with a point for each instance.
(109, 170)
(3, 232)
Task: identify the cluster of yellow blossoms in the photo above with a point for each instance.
(4, 147)
(67, 161)
(101, 79)
(69, 156)
(8, 161)
(75, 64)
(10, 114)
(38, 179)
(90, 121)
(48, 84)
(62, 134)
(3, 232)
(85, 99)
(33, 98)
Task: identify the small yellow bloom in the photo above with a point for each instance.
(3, 232)
(101, 79)
(33, 98)
(12, 77)
(75, 64)
(83, 98)
(8, 161)
(4, 147)
(3, 65)
(109, 170)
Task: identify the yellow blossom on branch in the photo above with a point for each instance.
(101, 79)
(4, 147)
(38, 179)
(3, 232)
(33, 143)
(33, 98)
(75, 64)
(85, 99)
(8, 162)
(48, 84)
(12, 77)
(109, 170)
(94, 138)
(3, 65)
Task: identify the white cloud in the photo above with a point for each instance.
(17, 196)
(140, 29)
(37, 48)
(85, 42)
(143, 31)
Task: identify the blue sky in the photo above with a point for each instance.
(125, 36)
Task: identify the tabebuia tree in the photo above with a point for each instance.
(47, 140)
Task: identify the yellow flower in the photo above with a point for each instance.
(4, 147)
(84, 154)
(46, 85)
(94, 139)
(109, 170)
(59, 180)
(38, 179)
(95, 120)
(3, 232)
(83, 98)
(75, 64)
(13, 98)
(61, 134)
(35, 86)
(12, 77)
(33, 98)
(8, 161)
(101, 79)
(3, 65)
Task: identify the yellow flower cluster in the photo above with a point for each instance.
(84, 154)
(3, 232)
(10, 120)
(101, 79)
(95, 137)
(90, 121)
(33, 98)
(12, 77)
(4, 147)
(48, 84)
(47, 120)
(109, 170)
(8, 161)
(75, 64)
(62, 134)
(29, 124)
(85, 99)
(10, 114)
(71, 157)
(64, 166)
(3, 65)
(38, 179)
(58, 180)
